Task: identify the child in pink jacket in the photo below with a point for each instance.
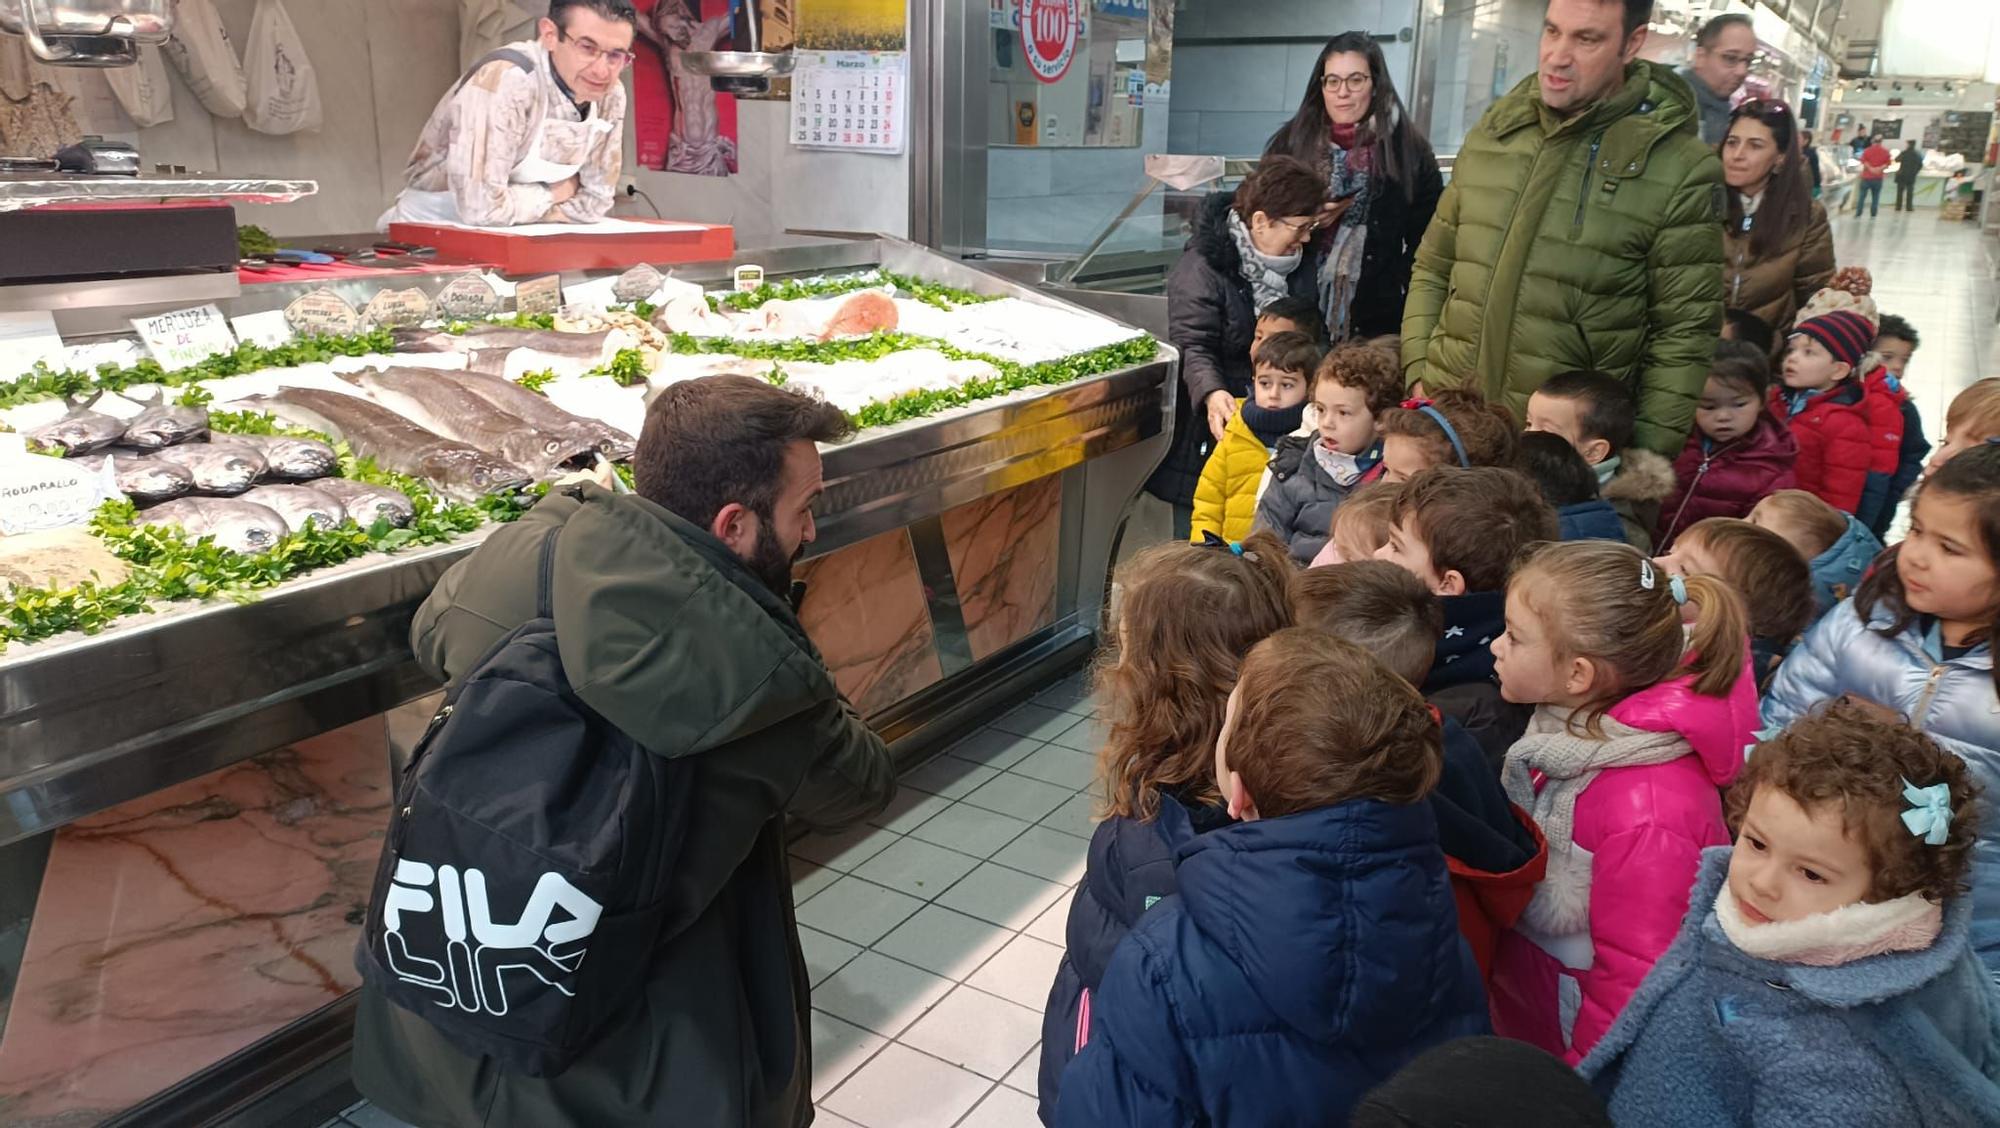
(1636, 729)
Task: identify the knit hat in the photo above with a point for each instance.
(1846, 334)
(1849, 289)
(1489, 1082)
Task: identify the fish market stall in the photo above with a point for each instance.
(198, 783)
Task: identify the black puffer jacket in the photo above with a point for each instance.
(1210, 319)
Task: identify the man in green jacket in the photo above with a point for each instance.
(1582, 230)
(674, 621)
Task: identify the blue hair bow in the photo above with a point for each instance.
(1929, 816)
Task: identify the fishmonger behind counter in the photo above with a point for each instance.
(534, 132)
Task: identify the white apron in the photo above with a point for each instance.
(413, 206)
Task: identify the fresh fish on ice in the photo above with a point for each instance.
(542, 415)
(488, 347)
(79, 432)
(165, 425)
(674, 368)
(600, 398)
(437, 404)
(367, 503)
(689, 313)
(144, 480)
(299, 505)
(290, 459)
(863, 313)
(219, 468)
(235, 524)
(459, 471)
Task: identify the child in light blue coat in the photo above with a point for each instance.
(1825, 972)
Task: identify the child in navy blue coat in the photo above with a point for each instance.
(1187, 615)
(1825, 973)
(1313, 947)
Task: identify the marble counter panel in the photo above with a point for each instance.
(1003, 557)
(865, 610)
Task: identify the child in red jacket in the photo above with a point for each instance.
(1887, 406)
(1827, 408)
(1738, 453)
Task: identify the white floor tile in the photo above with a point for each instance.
(976, 1031)
(1071, 695)
(1078, 816)
(1001, 896)
(1022, 972)
(994, 748)
(858, 911)
(824, 954)
(902, 1088)
(1086, 737)
(839, 1048)
(917, 868)
(949, 776)
(1052, 763)
(880, 994)
(1019, 796)
(909, 810)
(971, 830)
(1038, 722)
(1027, 1075)
(824, 1119)
(1052, 926)
(1003, 1108)
(809, 878)
(947, 943)
(845, 849)
(1048, 854)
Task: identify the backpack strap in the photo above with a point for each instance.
(545, 577)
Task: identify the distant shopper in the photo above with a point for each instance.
(1909, 164)
(1810, 152)
(673, 610)
(1242, 261)
(1724, 48)
(1868, 196)
(1582, 229)
(1777, 247)
(1382, 187)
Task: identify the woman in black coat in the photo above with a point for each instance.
(1246, 254)
(1383, 186)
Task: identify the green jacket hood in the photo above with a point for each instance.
(1654, 104)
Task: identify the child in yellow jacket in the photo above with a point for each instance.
(1225, 500)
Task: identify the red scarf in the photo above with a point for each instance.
(1360, 147)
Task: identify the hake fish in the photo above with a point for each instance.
(488, 347)
(235, 524)
(80, 432)
(458, 470)
(144, 480)
(300, 505)
(542, 415)
(165, 425)
(368, 504)
(448, 408)
(290, 459)
(222, 469)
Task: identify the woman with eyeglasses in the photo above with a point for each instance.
(1244, 264)
(1383, 186)
(534, 131)
(1777, 248)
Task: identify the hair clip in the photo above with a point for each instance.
(1678, 588)
(1929, 816)
(1646, 576)
(1416, 403)
(1991, 440)
(1236, 547)
(1209, 539)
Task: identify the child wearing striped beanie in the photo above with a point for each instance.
(1828, 408)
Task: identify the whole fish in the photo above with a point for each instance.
(79, 432)
(289, 459)
(489, 346)
(144, 480)
(299, 505)
(221, 469)
(457, 470)
(368, 504)
(165, 425)
(423, 397)
(235, 524)
(542, 415)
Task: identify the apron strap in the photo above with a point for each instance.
(503, 55)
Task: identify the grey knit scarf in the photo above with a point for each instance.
(1269, 275)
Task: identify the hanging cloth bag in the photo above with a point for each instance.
(144, 90)
(200, 49)
(284, 94)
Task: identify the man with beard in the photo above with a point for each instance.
(674, 617)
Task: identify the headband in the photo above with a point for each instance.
(1424, 406)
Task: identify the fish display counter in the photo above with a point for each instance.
(194, 780)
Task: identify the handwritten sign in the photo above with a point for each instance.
(185, 337)
(26, 339)
(540, 295)
(392, 308)
(323, 312)
(268, 329)
(468, 298)
(38, 492)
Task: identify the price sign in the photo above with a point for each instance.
(185, 337)
(47, 493)
(468, 298)
(541, 295)
(392, 308)
(269, 329)
(323, 312)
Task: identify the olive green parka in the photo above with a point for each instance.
(1593, 241)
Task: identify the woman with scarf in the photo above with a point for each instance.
(1246, 256)
(1383, 185)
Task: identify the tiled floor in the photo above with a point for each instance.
(932, 934)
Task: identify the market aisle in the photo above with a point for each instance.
(933, 934)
